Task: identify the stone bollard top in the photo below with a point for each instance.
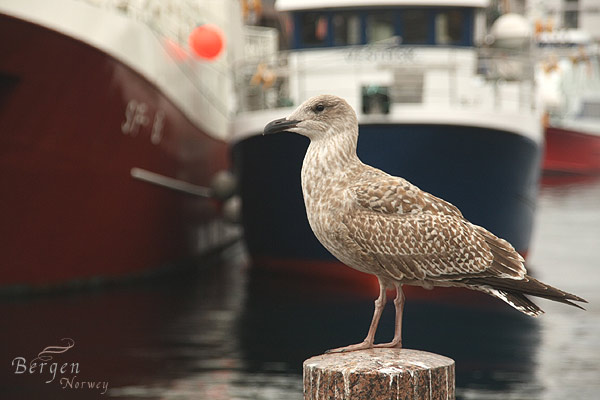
(379, 374)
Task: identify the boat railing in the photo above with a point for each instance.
(568, 80)
(505, 65)
(455, 78)
(171, 18)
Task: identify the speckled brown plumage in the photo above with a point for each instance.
(386, 226)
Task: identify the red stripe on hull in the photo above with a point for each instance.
(571, 152)
(335, 277)
(69, 208)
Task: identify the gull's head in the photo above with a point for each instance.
(318, 117)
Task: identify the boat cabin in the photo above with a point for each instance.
(390, 59)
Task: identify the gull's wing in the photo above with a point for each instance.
(420, 246)
(414, 235)
(380, 192)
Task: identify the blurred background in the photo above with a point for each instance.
(155, 242)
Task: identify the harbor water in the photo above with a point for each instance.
(229, 331)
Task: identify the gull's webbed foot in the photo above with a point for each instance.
(394, 344)
(353, 347)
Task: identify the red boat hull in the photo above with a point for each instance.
(568, 151)
(73, 123)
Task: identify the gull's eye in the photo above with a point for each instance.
(319, 107)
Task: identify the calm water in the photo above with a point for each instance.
(229, 332)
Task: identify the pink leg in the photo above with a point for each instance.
(368, 342)
(399, 305)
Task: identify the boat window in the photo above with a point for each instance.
(571, 14)
(287, 26)
(412, 25)
(314, 29)
(380, 26)
(346, 29)
(590, 109)
(415, 27)
(449, 27)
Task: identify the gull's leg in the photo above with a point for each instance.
(399, 305)
(368, 342)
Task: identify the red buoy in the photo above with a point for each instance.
(207, 41)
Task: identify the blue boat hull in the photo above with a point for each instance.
(491, 175)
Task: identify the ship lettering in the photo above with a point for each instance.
(135, 116)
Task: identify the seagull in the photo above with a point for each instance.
(386, 226)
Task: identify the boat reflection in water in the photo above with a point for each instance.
(234, 332)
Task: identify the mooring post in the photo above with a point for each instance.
(378, 374)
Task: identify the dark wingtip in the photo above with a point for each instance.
(579, 299)
(575, 304)
(573, 297)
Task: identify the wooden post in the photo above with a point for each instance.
(378, 374)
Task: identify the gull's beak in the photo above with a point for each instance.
(280, 125)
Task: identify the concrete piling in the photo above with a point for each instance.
(378, 374)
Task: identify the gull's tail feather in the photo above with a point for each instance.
(513, 292)
(518, 301)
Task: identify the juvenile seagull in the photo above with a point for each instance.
(386, 226)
